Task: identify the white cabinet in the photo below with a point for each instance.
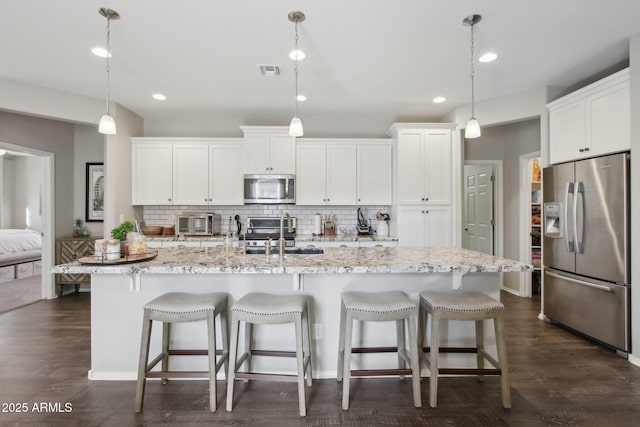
(424, 168)
(424, 226)
(374, 174)
(187, 171)
(591, 121)
(326, 174)
(269, 150)
(152, 174)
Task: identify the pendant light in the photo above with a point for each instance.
(295, 128)
(107, 125)
(472, 130)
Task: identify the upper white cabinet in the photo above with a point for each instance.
(152, 173)
(374, 174)
(424, 166)
(343, 172)
(269, 150)
(326, 174)
(187, 171)
(591, 121)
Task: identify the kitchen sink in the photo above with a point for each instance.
(287, 251)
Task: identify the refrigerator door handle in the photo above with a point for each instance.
(569, 241)
(580, 282)
(579, 192)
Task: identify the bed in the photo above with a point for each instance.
(19, 246)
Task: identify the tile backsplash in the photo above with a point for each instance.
(346, 216)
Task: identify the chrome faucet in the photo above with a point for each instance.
(281, 243)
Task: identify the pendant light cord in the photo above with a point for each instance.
(107, 61)
(295, 68)
(473, 98)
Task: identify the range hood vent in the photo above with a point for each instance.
(269, 70)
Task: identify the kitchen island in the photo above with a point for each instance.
(118, 293)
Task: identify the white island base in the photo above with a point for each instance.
(117, 301)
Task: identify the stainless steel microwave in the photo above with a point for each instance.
(269, 189)
(205, 224)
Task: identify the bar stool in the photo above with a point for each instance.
(463, 305)
(177, 307)
(260, 309)
(379, 307)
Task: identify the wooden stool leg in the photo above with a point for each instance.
(341, 341)
(166, 336)
(302, 403)
(433, 365)
(211, 354)
(480, 346)
(502, 360)
(306, 337)
(415, 361)
(400, 333)
(145, 340)
(422, 332)
(346, 371)
(224, 330)
(233, 353)
(248, 345)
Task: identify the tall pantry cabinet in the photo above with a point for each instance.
(423, 184)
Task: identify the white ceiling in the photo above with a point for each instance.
(375, 61)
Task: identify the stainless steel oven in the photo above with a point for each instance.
(205, 224)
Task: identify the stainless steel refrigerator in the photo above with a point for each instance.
(586, 247)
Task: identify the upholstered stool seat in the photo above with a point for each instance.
(176, 307)
(379, 307)
(262, 308)
(463, 305)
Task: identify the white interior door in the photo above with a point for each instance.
(478, 208)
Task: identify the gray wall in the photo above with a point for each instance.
(508, 143)
(22, 191)
(88, 148)
(54, 137)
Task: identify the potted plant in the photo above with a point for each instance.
(120, 232)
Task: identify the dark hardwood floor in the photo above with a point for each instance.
(556, 379)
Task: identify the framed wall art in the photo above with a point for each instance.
(95, 192)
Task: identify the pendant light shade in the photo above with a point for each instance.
(472, 130)
(107, 124)
(295, 128)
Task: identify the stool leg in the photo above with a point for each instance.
(224, 329)
(502, 360)
(480, 346)
(166, 336)
(346, 371)
(401, 345)
(211, 353)
(306, 337)
(233, 353)
(341, 341)
(302, 403)
(142, 364)
(415, 361)
(248, 344)
(433, 365)
(422, 331)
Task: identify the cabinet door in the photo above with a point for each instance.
(567, 130)
(257, 152)
(190, 174)
(437, 167)
(152, 174)
(225, 174)
(311, 175)
(411, 224)
(437, 233)
(374, 175)
(610, 120)
(282, 153)
(410, 167)
(341, 174)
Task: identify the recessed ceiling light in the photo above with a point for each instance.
(101, 52)
(439, 99)
(488, 57)
(297, 55)
(301, 97)
(159, 96)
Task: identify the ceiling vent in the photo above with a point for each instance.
(268, 70)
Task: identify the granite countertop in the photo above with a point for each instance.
(183, 260)
(299, 238)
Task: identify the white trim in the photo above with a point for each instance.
(524, 222)
(634, 360)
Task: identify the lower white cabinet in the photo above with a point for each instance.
(424, 226)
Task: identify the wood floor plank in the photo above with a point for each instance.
(556, 379)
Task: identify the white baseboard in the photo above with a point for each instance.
(512, 291)
(634, 360)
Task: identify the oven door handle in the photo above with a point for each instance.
(581, 282)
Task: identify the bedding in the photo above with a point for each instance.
(16, 241)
